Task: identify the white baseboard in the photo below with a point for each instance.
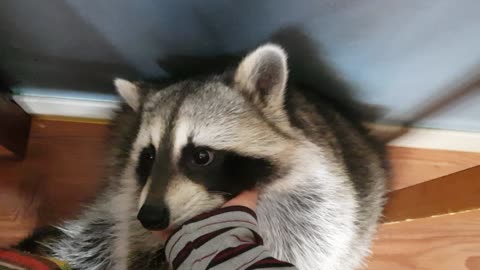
(68, 107)
(439, 139)
(415, 138)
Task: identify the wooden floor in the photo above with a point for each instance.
(62, 169)
(450, 242)
(64, 166)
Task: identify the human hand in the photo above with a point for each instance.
(246, 198)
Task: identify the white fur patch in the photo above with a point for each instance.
(186, 199)
(142, 140)
(144, 193)
(181, 133)
(156, 131)
(329, 217)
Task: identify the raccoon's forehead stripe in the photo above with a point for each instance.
(156, 132)
(171, 120)
(161, 115)
(180, 139)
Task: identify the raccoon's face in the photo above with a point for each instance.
(202, 142)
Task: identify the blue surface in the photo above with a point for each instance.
(398, 54)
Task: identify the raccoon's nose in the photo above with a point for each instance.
(154, 217)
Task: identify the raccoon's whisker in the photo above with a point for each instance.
(191, 211)
(217, 192)
(192, 200)
(191, 203)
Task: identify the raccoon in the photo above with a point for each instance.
(190, 146)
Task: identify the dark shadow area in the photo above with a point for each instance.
(310, 71)
(55, 72)
(307, 69)
(6, 82)
(49, 45)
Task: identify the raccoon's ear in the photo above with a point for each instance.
(263, 74)
(129, 92)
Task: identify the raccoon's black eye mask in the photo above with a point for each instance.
(224, 171)
(218, 170)
(145, 164)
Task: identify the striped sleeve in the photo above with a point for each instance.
(224, 238)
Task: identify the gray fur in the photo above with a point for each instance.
(319, 210)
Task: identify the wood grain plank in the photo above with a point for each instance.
(450, 242)
(448, 194)
(412, 165)
(63, 168)
(16, 219)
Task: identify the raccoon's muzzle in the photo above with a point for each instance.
(154, 217)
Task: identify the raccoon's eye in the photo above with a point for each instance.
(145, 163)
(202, 157)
